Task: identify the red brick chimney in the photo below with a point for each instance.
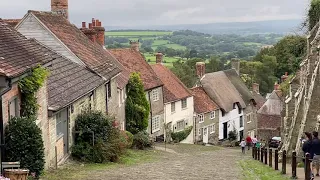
(276, 86)
(60, 7)
(89, 32)
(159, 58)
(201, 69)
(255, 88)
(135, 45)
(100, 32)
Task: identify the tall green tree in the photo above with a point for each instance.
(313, 14)
(137, 105)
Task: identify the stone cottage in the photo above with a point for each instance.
(178, 101)
(302, 97)
(233, 97)
(133, 61)
(206, 111)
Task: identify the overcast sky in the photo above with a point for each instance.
(163, 12)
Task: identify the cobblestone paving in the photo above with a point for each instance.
(214, 165)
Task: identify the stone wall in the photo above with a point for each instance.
(213, 137)
(250, 120)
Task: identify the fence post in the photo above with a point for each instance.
(308, 170)
(276, 160)
(258, 158)
(270, 157)
(284, 162)
(262, 153)
(294, 165)
(265, 155)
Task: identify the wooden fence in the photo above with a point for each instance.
(266, 156)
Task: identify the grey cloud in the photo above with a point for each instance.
(159, 12)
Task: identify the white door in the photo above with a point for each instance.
(205, 135)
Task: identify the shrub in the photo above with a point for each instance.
(141, 140)
(129, 139)
(181, 135)
(98, 141)
(137, 105)
(24, 143)
(232, 135)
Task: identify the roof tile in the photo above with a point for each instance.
(202, 102)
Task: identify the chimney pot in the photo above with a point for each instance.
(93, 23)
(201, 69)
(159, 58)
(97, 22)
(235, 64)
(90, 25)
(83, 24)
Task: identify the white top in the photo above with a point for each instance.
(243, 144)
(254, 140)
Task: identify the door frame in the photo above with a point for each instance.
(205, 138)
(225, 130)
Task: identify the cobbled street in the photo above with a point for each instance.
(181, 164)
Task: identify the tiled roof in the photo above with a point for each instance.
(92, 54)
(17, 53)
(268, 121)
(68, 82)
(220, 89)
(173, 88)
(273, 105)
(133, 61)
(12, 22)
(202, 102)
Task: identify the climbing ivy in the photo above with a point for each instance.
(314, 13)
(29, 86)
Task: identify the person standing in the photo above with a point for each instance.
(248, 141)
(243, 146)
(307, 149)
(254, 141)
(316, 152)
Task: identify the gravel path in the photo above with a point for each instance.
(197, 165)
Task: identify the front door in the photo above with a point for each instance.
(225, 130)
(64, 126)
(205, 135)
(241, 135)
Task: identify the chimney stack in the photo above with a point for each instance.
(60, 7)
(235, 64)
(100, 32)
(276, 86)
(84, 25)
(201, 69)
(89, 32)
(135, 45)
(159, 58)
(255, 88)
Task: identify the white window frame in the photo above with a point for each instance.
(155, 124)
(201, 118)
(155, 95)
(249, 117)
(174, 105)
(14, 101)
(184, 125)
(199, 131)
(186, 106)
(240, 122)
(212, 114)
(58, 124)
(119, 97)
(212, 128)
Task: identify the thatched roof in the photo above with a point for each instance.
(221, 89)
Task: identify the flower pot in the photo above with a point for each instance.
(16, 174)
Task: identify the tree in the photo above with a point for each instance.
(313, 14)
(24, 143)
(185, 71)
(137, 105)
(214, 65)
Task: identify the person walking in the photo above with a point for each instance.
(248, 142)
(243, 146)
(307, 149)
(254, 141)
(315, 148)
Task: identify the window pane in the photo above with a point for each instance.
(173, 107)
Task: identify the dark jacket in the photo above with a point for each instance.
(307, 148)
(316, 146)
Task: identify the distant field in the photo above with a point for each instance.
(138, 33)
(252, 43)
(167, 60)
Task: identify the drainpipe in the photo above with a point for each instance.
(150, 112)
(1, 125)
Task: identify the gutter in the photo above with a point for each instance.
(2, 144)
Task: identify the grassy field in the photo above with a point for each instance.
(167, 60)
(253, 170)
(139, 33)
(76, 170)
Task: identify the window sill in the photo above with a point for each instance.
(249, 122)
(155, 100)
(212, 118)
(155, 130)
(200, 122)
(173, 112)
(184, 108)
(212, 132)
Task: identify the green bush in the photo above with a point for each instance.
(24, 143)
(129, 139)
(97, 141)
(232, 135)
(141, 140)
(181, 135)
